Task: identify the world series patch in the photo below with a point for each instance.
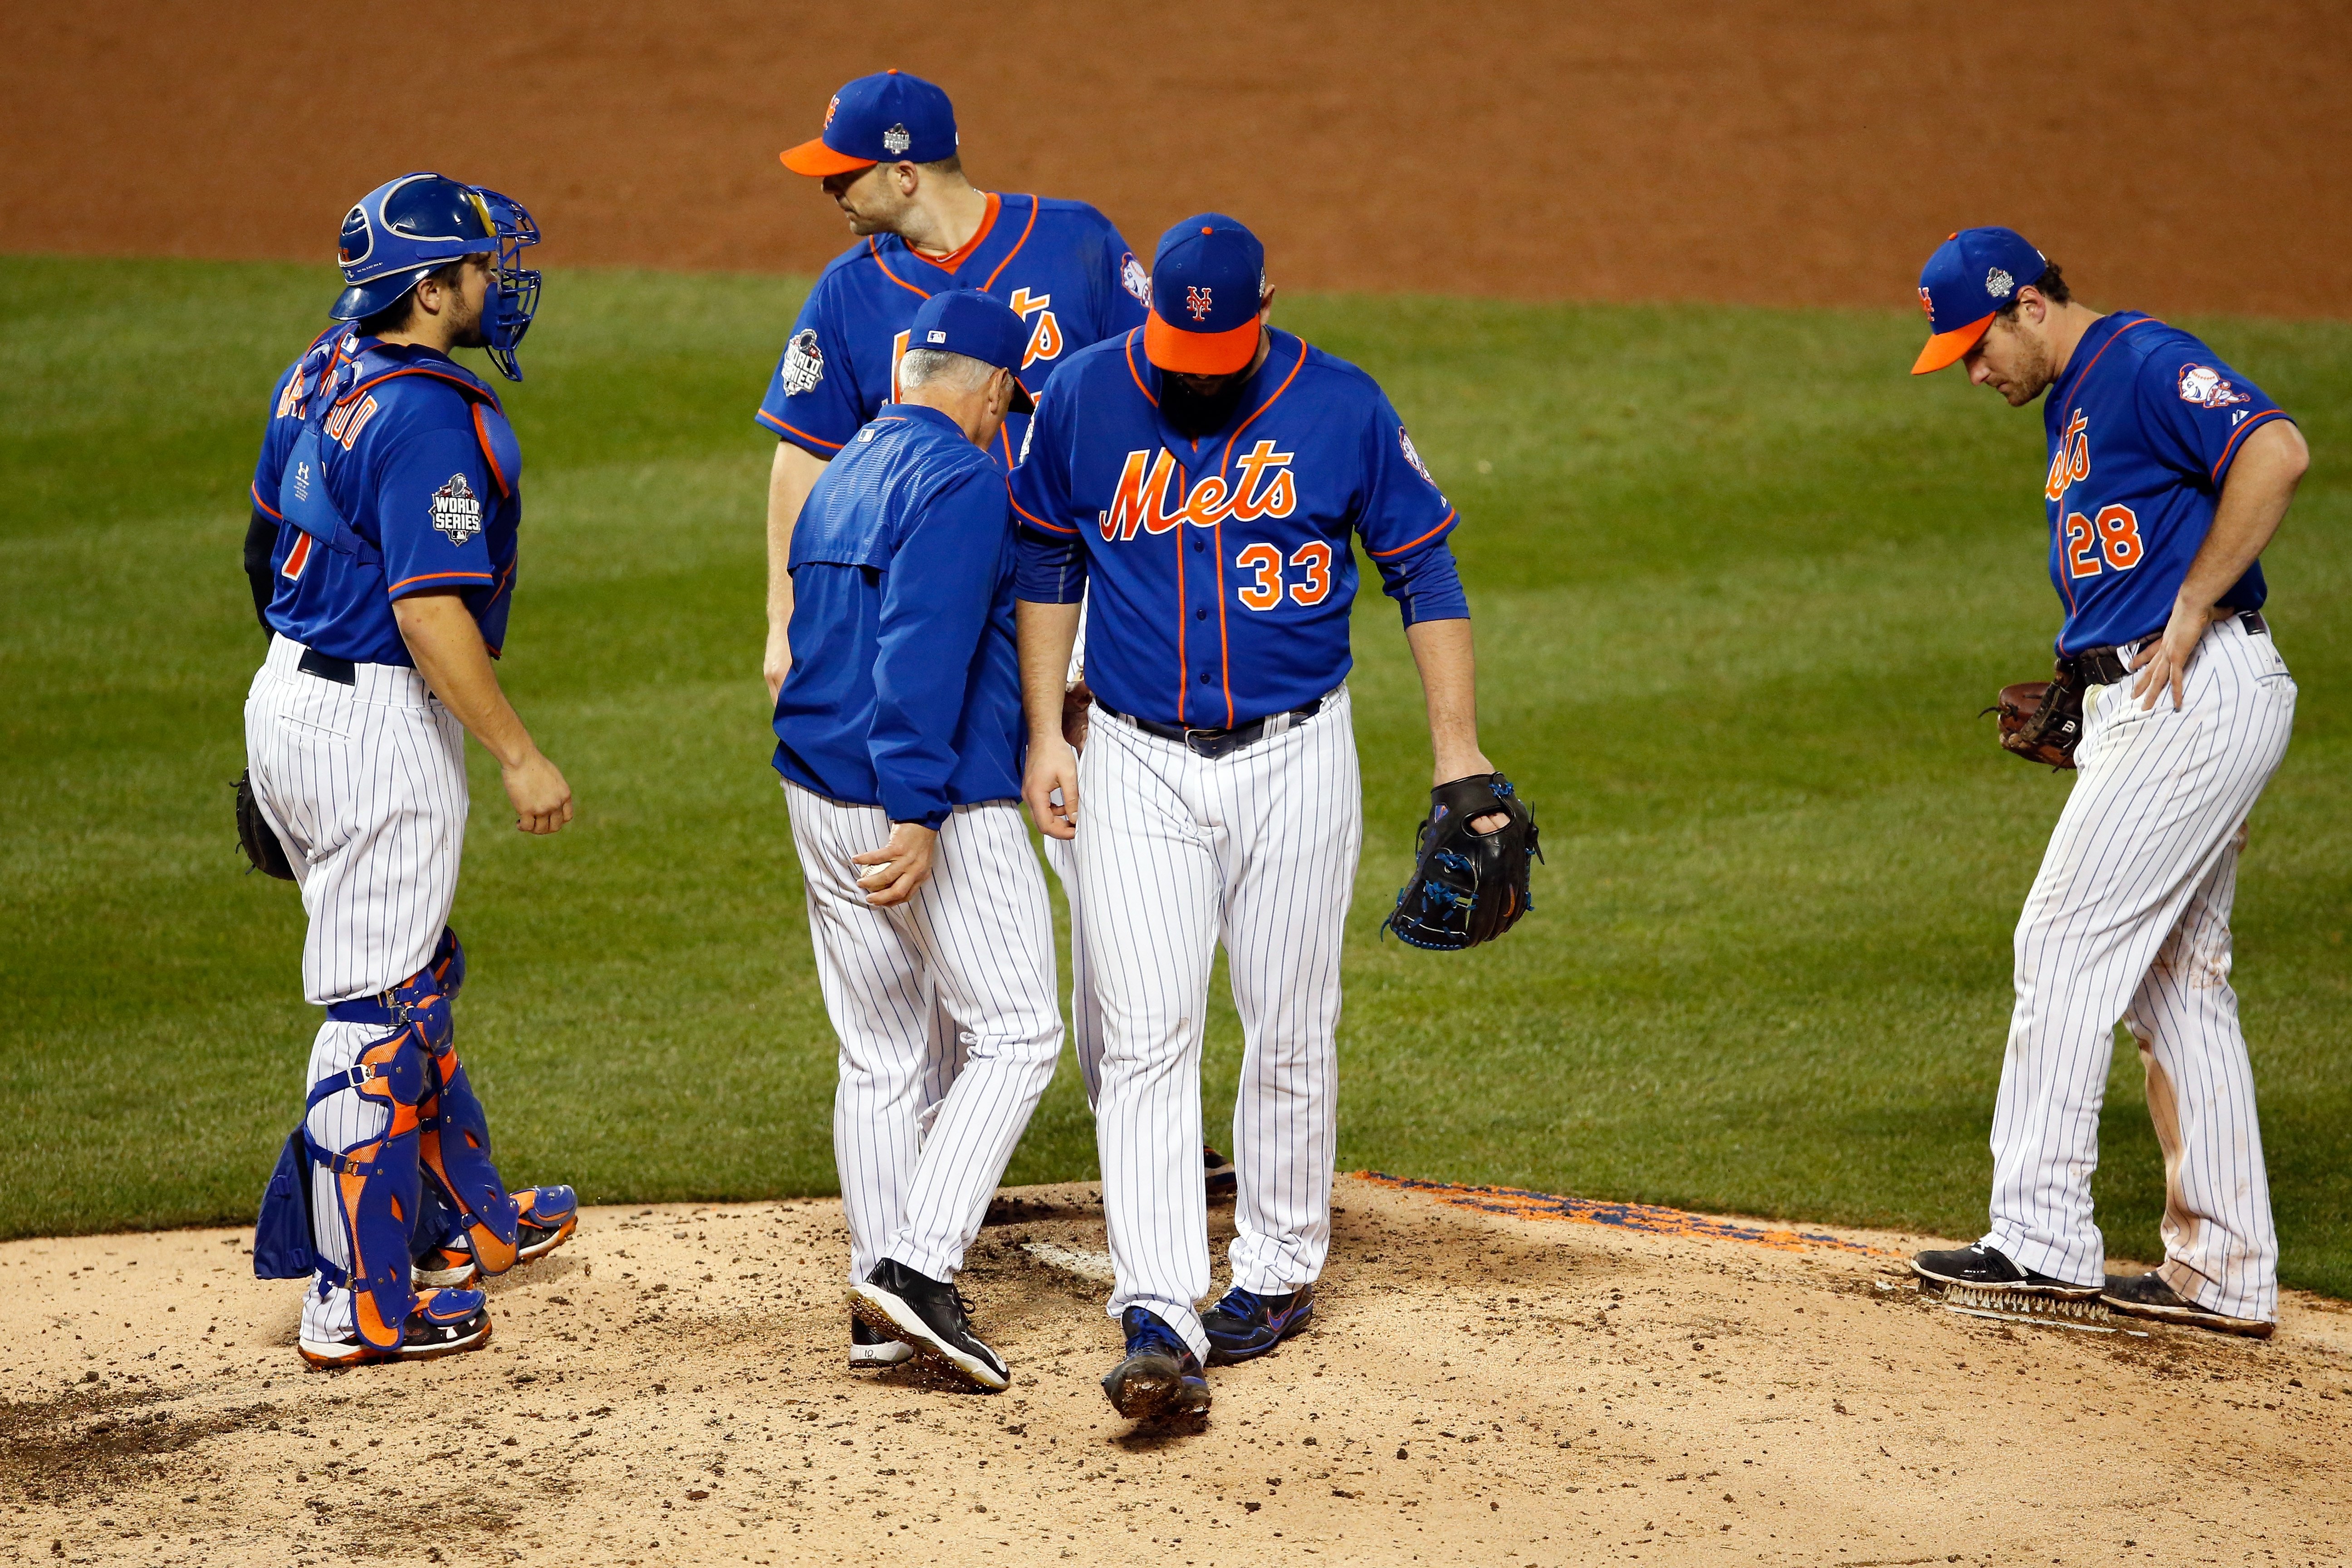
(456, 511)
(803, 364)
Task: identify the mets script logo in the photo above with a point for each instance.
(803, 364)
(2203, 386)
(1196, 300)
(2071, 464)
(456, 510)
(1262, 487)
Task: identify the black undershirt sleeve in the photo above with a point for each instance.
(260, 539)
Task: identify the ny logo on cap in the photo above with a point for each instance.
(896, 141)
(1196, 300)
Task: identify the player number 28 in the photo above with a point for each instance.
(2114, 537)
(1263, 592)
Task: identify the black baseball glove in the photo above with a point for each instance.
(255, 836)
(1468, 886)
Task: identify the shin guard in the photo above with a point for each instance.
(454, 1133)
(376, 1185)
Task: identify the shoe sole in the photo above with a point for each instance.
(885, 1314)
(443, 1279)
(2192, 1317)
(333, 1357)
(1151, 1388)
(1220, 1356)
(539, 1250)
(2020, 1287)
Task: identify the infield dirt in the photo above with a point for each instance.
(2172, 155)
(1480, 1388)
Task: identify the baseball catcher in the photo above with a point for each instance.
(1471, 869)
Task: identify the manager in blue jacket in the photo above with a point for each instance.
(900, 739)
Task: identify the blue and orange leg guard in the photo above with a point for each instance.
(454, 1135)
(375, 1184)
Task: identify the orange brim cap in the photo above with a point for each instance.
(1199, 353)
(816, 160)
(1944, 348)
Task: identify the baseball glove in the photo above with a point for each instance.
(1468, 886)
(255, 836)
(2041, 721)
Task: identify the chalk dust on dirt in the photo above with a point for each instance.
(1479, 1388)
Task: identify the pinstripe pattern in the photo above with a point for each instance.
(365, 785)
(2128, 919)
(948, 1017)
(1085, 1012)
(1176, 853)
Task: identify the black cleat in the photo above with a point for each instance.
(1218, 1175)
(1160, 1377)
(932, 1317)
(1244, 1325)
(2147, 1296)
(1989, 1269)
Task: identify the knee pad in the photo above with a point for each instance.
(376, 1183)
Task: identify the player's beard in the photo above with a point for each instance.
(1201, 414)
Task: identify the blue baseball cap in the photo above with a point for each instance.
(978, 326)
(1208, 280)
(884, 118)
(1972, 274)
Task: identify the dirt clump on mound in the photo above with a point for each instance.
(1480, 1387)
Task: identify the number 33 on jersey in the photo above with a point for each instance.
(1224, 561)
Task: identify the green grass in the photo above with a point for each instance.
(1741, 586)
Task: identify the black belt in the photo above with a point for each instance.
(327, 667)
(1213, 744)
(2110, 665)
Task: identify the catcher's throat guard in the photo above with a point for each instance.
(1468, 886)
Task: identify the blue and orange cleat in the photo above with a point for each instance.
(443, 1322)
(545, 1218)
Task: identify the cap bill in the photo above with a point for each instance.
(1946, 347)
(1023, 400)
(816, 160)
(1199, 353)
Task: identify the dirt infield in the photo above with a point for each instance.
(2174, 157)
(1490, 1381)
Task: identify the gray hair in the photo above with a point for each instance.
(921, 367)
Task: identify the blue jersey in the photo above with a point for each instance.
(905, 691)
(2143, 426)
(1060, 265)
(1220, 567)
(408, 483)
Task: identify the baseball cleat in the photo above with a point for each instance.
(872, 1348)
(1217, 1173)
(444, 1324)
(1160, 1377)
(1988, 1268)
(544, 1220)
(932, 1319)
(1245, 1325)
(2147, 1296)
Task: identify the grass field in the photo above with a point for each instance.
(1741, 586)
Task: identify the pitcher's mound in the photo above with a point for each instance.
(1488, 1382)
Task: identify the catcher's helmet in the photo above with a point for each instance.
(404, 228)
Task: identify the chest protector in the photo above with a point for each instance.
(332, 386)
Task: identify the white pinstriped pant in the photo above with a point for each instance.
(1085, 1012)
(365, 785)
(2129, 920)
(948, 1017)
(1176, 853)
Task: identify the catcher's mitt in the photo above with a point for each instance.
(1468, 886)
(2041, 721)
(253, 834)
